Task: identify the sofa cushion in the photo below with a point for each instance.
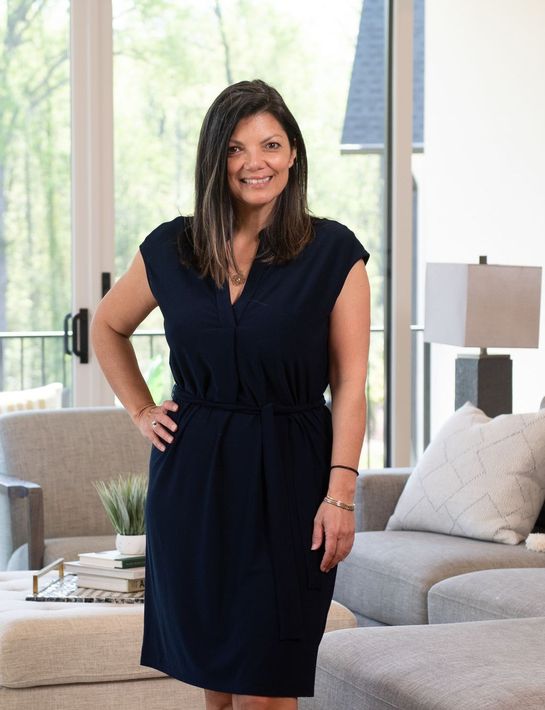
(484, 665)
(388, 573)
(50, 643)
(480, 477)
(488, 594)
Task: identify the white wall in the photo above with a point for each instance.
(483, 188)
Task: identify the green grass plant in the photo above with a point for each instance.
(124, 500)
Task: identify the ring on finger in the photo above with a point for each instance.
(153, 423)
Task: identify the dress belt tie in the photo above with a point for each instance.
(281, 509)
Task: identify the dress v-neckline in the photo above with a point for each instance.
(233, 311)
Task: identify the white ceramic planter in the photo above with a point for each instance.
(131, 544)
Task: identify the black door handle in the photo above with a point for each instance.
(80, 335)
(66, 337)
(106, 281)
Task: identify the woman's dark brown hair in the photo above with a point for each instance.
(205, 240)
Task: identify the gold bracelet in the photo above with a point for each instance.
(339, 503)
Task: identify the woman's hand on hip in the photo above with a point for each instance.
(155, 424)
(338, 525)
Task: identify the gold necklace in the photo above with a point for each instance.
(238, 277)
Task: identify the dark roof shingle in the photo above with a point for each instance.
(363, 129)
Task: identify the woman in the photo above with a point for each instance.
(264, 306)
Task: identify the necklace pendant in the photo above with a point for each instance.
(237, 279)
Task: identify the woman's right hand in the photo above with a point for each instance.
(159, 433)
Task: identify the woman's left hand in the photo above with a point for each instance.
(339, 526)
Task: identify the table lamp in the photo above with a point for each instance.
(485, 306)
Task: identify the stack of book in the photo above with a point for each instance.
(110, 570)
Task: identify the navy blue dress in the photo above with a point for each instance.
(235, 599)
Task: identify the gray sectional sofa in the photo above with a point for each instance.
(445, 622)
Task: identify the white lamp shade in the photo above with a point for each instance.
(483, 305)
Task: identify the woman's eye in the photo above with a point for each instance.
(274, 143)
(231, 148)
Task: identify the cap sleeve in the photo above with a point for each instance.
(346, 250)
(158, 251)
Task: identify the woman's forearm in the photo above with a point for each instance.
(117, 359)
(348, 410)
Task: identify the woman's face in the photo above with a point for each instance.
(258, 161)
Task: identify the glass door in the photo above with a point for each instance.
(35, 214)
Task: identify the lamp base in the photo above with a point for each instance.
(486, 381)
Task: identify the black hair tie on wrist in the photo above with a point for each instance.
(338, 465)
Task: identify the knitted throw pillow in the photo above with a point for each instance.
(480, 477)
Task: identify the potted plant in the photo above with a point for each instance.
(124, 500)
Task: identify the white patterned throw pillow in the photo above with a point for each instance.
(480, 477)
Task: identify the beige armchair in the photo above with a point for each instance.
(48, 459)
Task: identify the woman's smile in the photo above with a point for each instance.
(257, 182)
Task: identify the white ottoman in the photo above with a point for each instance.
(67, 655)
